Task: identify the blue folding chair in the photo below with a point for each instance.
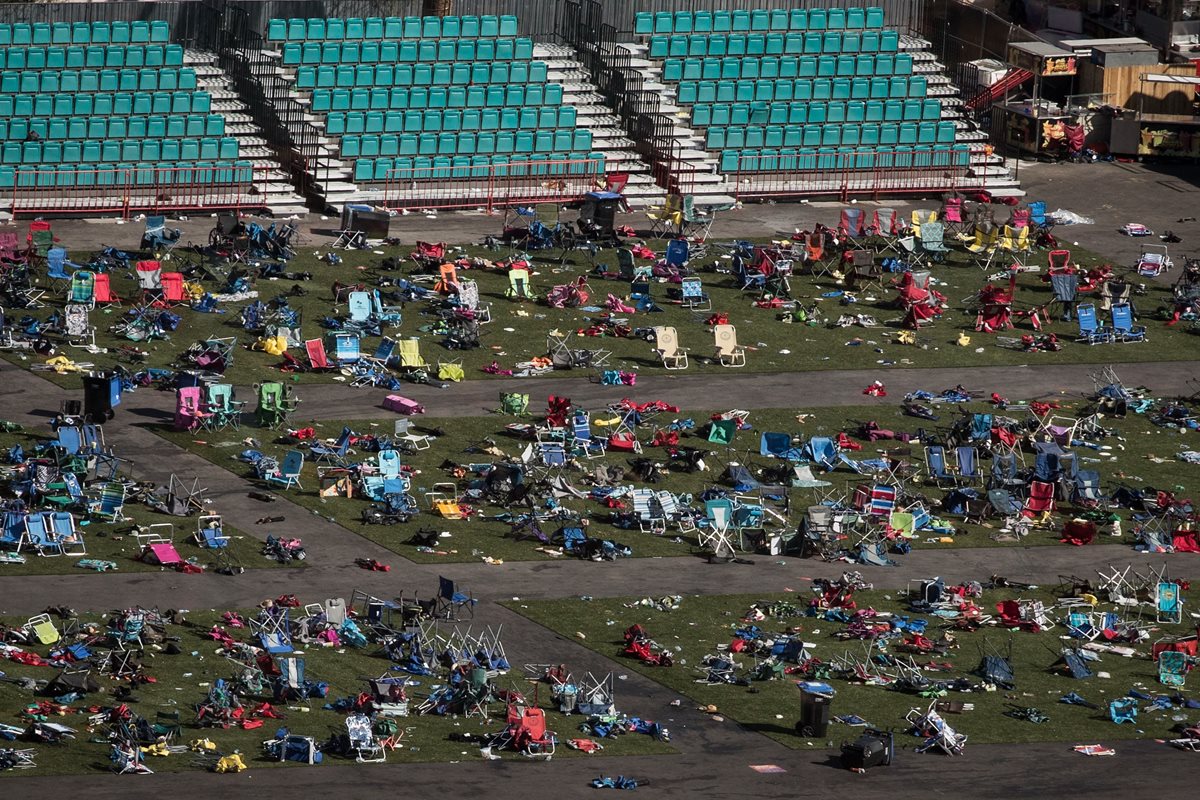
(451, 601)
(337, 453)
(1090, 329)
(1123, 329)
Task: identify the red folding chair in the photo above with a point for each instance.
(1040, 500)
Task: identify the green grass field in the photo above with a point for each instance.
(1139, 454)
(519, 329)
(182, 681)
(702, 624)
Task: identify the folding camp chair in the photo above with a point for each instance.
(158, 238)
(451, 601)
(932, 241)
(149, 275)
(852, 228)
(696, 223)
(952, 214)
(275, 404)
(667, 218)
(223, 410)
(714, 535)
(728, 352)
(1015, 241)
(984, 245)
(56, 265)
(864, 273)
(1040, 500)
(518, 284)
(666, 344)
(886, 226)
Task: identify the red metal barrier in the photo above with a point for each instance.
(129, 190)
(848, 173)
(492, 186)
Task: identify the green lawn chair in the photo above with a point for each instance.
(275, 404)
(514, 403)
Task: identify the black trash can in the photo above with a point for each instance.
(100, 393)
(873, 749)
(814, 714)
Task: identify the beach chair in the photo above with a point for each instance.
(102, 289)
(76, 328)
(383, 313)
(452, 601)
(1123, 329)
(693, 296)
(967, 459)
(1122, 710)
(1168, 604)
(402, 432)
(110, 505)
(67, 538)
(288, 473)
(1172, 668)
(318, 361)
(410, 354)
(447, 282)
(1090, 329)
(935, 462)
(336, 454)
(729, 353)
(666, 344)
(363, 744)
(38, 536)
(210, 532)
(82, 291)
(161, 552)
(359, 308)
